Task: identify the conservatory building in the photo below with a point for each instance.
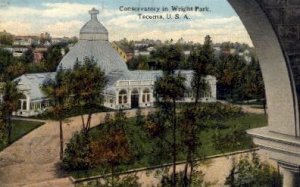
(125, 89)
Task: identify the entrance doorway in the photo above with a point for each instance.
(135, 99)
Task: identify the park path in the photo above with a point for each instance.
(33, 159)
(247, 108)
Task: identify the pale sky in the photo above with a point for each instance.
(65, 18)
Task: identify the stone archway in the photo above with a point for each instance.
(274, 28)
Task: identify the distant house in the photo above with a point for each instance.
(229, 51)
(217, 51)
(47, 44)
(19, 51)
(121, 52)
(186, 53)
(246, 55)
(150, 49)
(126, 55)
(25, 41)
(57, 40)
(141, 44)
(39, 54)
(141, 53)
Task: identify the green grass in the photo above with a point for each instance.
(19, 129)
(245, 122)
(71, 112)
(146, 144)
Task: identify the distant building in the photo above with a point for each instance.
(125, 89)
(141, 44)
(39, 54)
(125, 55)
(141, 53)
(246, 55)
(47, 44)
(57, 40)
(19, 51)
(217, 51)
(150, 49)
(186, 53)
(25, 40)
(33, 101)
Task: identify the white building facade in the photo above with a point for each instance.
(125, 89)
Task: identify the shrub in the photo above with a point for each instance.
(252, 172)
(123, 181)
(77, 153)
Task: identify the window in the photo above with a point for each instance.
(24, 105)
(123, 97)
(146, 96)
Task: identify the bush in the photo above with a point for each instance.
(3, 134)
(124, 181)
(252, 172)
(77, 154)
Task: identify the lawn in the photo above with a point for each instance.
(21, 128)
(71, 112)
(146, 145)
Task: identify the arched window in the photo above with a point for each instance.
(123, 97)
(146, 96)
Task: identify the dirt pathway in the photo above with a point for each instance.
(33, 159)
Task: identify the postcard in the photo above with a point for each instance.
(181, 93)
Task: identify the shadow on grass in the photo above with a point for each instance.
(21, 128)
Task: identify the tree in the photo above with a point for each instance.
(77, 155)
(167, 57)
(157, 129)
(190, 139)
(170, 88)
(53, 57)
(6, 38)
(3, 134)
(113, 148)
(87, 82)
(6, 59)
(201, 57)
(58, 91)
(10, 102)
(45, 37)
(28, 56)
(126, 45)
(253, 83)
(253, 172)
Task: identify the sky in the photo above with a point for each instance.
(65, 18)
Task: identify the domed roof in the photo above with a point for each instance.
(103, 53)
(93, 42)
(93, 29)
